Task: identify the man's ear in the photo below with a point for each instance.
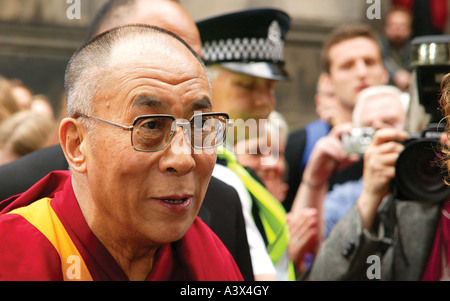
(73, 138)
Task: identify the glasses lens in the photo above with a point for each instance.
(208, 131)
(153, 133)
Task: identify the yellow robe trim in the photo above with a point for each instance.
(41, 215)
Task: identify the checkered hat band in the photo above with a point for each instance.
(243, 49)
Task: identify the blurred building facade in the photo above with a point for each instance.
(37, 38)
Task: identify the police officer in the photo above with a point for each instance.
(244, 54)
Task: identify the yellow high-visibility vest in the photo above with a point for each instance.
(271, 212)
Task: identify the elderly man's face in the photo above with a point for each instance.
(383, 111)
(151, 197)
(243, 96)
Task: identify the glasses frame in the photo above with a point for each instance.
(178, 123)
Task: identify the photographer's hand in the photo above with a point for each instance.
(328, 155)
(379, 170)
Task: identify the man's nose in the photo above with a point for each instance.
(178, 154)
(265, 97)
(361, 68)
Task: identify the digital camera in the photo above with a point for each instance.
(357, 140)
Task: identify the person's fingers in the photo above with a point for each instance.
(389, 134)
(297, 222)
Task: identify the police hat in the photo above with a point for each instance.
(249, 42)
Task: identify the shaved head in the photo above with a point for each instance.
(167, 14)
(93, 63)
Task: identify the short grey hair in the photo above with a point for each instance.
(372, 91)
(87, 70)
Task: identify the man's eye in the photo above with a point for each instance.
(347, 66)
(370, 62)
(248, 86)
(151, 125)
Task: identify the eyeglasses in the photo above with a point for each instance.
(151, 133)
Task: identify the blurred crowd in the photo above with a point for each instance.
(27, 120)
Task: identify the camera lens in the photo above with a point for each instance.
(419, 174)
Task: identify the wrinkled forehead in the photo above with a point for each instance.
(382, 105)
(155, 47)
(381, 100)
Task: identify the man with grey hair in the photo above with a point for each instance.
(128, 208)
(377, 107)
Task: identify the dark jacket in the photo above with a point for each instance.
(344, 255)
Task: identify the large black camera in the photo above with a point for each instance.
(420, 171)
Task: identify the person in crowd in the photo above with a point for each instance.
(116, 13)
(265, 155)
(396, 46)
(382, 238)
(376, 107)
(22, 92)
(23, 133)
(41, 104)
(122, 223)
(430, 17)
(244, 54)
(221, 209)
(325, 101)
(8, 102)
(352, 61)
(326, 108)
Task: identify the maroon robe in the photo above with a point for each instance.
(27, 254)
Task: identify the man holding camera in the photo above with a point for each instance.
(351, 61)
(376, 107)
(383, 238)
